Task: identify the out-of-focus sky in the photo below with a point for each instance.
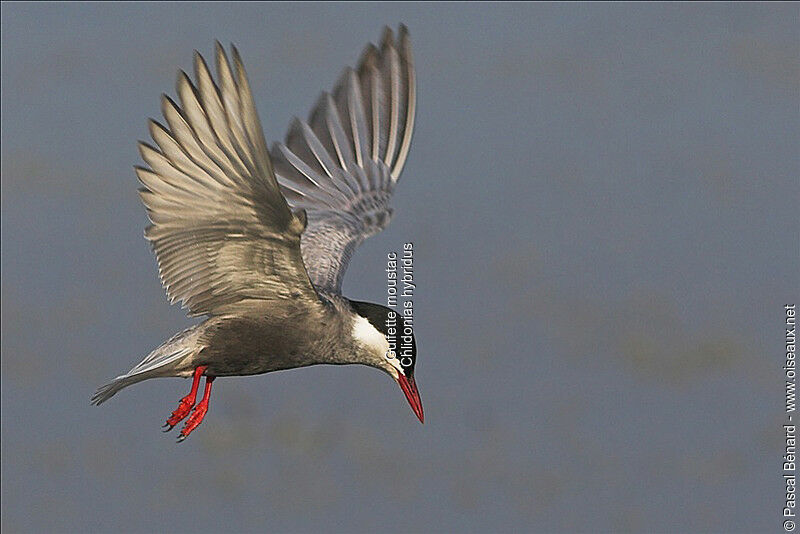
(603, 203)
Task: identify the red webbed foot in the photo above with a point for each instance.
(198, 413)
(187, 402)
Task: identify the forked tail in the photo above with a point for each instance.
(160, 362)
(107, 391)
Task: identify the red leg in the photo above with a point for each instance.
(199, 411)
(187, 402)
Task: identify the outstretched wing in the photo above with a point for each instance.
(223, 234)
(343, 164)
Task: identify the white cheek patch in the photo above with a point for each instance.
(371, 338)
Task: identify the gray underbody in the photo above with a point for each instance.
(287, 336)
(249, 345)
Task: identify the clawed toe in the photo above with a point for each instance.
(185, 406)
(195, 419)
(198, 413)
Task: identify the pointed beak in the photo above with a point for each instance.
(409, 387)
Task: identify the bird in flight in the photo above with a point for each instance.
(258, 240)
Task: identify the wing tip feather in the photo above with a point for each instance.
(387, 37)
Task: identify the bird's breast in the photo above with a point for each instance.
(248, 346)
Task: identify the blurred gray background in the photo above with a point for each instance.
(603, 202)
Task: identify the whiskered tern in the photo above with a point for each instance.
(258, 240)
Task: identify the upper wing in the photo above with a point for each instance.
(223, 234)
(343, 164)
